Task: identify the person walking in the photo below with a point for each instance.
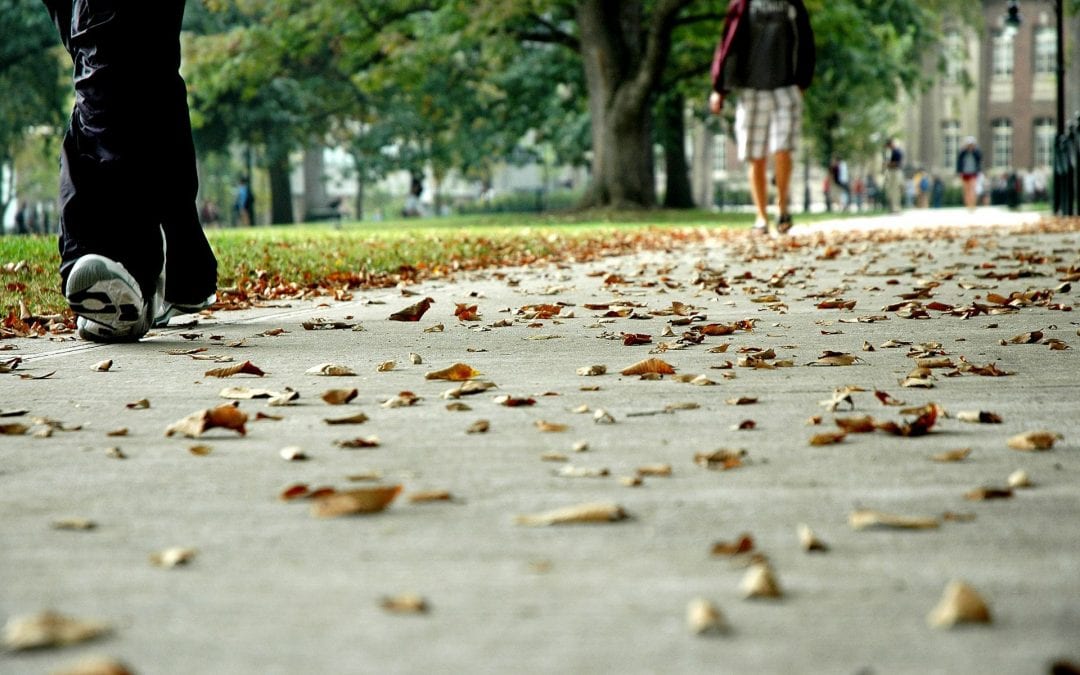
(766, 56)
(969, 166)
(133, 253)
(894, 174)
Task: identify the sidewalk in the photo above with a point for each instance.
(274, 589)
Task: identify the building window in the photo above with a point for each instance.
(1003, 55)
(1045, 131)
(1045, 51)
(950, 141)
(1003, 143)
(955, 57)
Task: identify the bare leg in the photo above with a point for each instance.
(783, 180)
(759, 190)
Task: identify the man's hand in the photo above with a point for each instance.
(716, 102)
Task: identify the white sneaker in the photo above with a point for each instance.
(167, 311)
(107, 300)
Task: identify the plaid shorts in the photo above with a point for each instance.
(767, 120)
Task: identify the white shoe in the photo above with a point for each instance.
(107, 300)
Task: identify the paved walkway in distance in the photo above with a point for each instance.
(273, 589)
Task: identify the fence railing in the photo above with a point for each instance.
(1067, 171)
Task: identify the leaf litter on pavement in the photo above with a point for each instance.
(695, 331)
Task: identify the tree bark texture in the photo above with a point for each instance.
(623, 52)
(672, 127)
(281, 207)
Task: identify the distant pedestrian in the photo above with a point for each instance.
(244, 205)
(132, 251)
(894, 174)
(841, 183)
(766, 55)
(969, 166)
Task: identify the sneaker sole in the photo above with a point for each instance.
(103, 293)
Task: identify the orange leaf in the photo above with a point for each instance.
(350, 502)
(455, 373)
(245, 368)
(413, 312)
(655, 366)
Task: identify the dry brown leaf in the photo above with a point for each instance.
(720, 460)
(330, 370)
(467, 389)
(1034, 441)
(855, 425)
(246, 393)
(466, 312)
(73, 524)
(141, 404)
(598, 512)
(654, 470)
(744, 544)
(601, 416)
(703, 618)
(592, 371)
(359, 442)
(742, 400)
(458, 372)
(1019, 479)
(406, 603)
(413, 312)
(50, 629)
(293, 453)
(570, 471)
(650, 366)
(864, 519)
(13, 429)
(760, 582)
(550, 427)
(386, 366)
(960, 603)
(978, 417)
(102, 366)
(958, 455)
(404, 399)
(836, 359)
(478, 427)
(339, 396)
(431, 496)
(351, 502)
(357, 418)
(115, 453)
(296, 491)
(514, 401)
(226, 416)
(173, 557)
(986, 493)
(809, 541)
(828, 438)
(245, 368)
(200, 450)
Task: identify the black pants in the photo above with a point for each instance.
(127, 166)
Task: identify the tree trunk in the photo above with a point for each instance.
(358, 202)
(281, 208)
(623, 54)
(678, 194)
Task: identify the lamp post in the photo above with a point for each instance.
(1012, 20)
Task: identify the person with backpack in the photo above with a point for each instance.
(133, 253)
(766, 57)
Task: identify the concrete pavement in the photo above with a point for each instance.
(273, 589)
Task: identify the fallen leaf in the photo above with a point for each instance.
(330, 370)
(13, 429)
(720, 460)
(50, 629)
(455, 373)
(285, 398)
(634, 339)
(744, 544)
(226, 416)
(102, 366)
(1034, 440)
(978, 417)
(386, 366)
(960, 603)
(95, 665)
(357, 418)
(245, 368)
(141, 404)
(649, 366)
(829, 358)
(864, 519)
(359, 442)
(466, 312)
(339, 396)
(809, 541)
(703, 618)
(294, 492)
(828, 438)
(293, 453)
(599, 512)
(413, 312)
(760, 582)
(415, 359)
(887, 399)
(985, 493)
(1019, 479)
(1025, 338)
(591, 371)
(855, 425)
(570, 471)
(430, 496)
(404, 399)
(654, 470)
(550, 427)
(469, 388)
(478, 427)
(514, 401)
(74, 524)
(115, 453)
(200, 450)
(173, 557)
(357, 501)
(407, 603)
(601, 416)
(958, 455)
(742, 400)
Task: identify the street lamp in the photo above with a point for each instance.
(1012, 20)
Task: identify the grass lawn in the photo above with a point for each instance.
(288, 258)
